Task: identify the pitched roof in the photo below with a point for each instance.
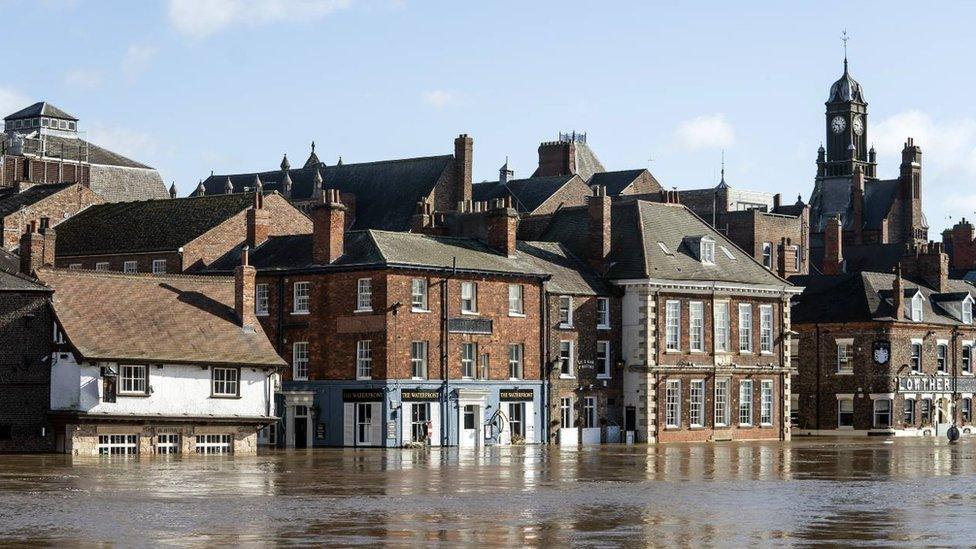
(9, 261)
(617, 181)
(11, 280)
(146, 226)
(587, 163)
(569, 274)
(386, 192)
(152, 318)
(41, 108)
(832, 196)
(527, 194)
(878, 258)
(12, 201)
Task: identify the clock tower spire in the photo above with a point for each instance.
(846, 128)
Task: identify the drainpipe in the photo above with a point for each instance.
(545, 367)
(818, 377)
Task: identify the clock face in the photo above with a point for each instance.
(858, 125)
(838, 124)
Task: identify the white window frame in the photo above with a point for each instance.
(722, 326)
(875, 412)
(745, 328)
(696, 403)
(364, 295)
(214, 444)
(299, 360)
(841, 402)
(745, 403)
(917, 309)
(118, 445)
(942, 356)
(672, 323)
(516, 300)
(797, 262)
(567, 362)
(967, 310)
(159, 266)
(103, 266)
(565, 311)
(766, 402)
(766, 329)
(75, 266)
(767, 255)
(707, 251)
(418, 295)
(722, 410)
(915, 361)
(469, 297)
(130, 267)
(845, 356)
(364, 423)
(135, 376)
(301, 291)
(672, 404)
(908, 412)
(566, 412)
(364, 359)
(590, 420)
(418, 359)
(696, 327)
(261, 299)
(603, 369)
(469, 360)
(225, 382)
(966, 362)
(168, 443)
(516, 364)
(603, 313)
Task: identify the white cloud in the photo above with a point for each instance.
(138, 146)
(136, 60)
(202, 18)
(708, 131)
(438, 98)
(83, 78)
(12, 101)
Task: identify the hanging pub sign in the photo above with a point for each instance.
(420, 395)
(516, 395)
(882, 351)
(363, 395)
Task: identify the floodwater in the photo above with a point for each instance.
(807, 492)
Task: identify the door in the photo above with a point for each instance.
(470, 426)
(301, 427)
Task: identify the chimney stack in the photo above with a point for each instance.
(833, 247)
(857, 202)
(463, 161)
(929, 264)
(245, 277)
(502, 226)
(557, 158)
(328, 228)
(31, 251)
(598, 225)
(776, 201)
(258, 222)
(898, 295)
(422, 218)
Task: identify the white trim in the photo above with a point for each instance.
(882, 396)
(844, 396)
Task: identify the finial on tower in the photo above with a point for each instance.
(844, 38)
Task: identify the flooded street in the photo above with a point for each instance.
(808, 492)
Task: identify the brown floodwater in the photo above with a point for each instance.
(808, 492)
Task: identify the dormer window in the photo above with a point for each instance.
(917, 307)
(967, 310)
(708, 251)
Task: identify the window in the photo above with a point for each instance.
(364, 359)
(721, 327)
(300, 290)
(766, 402)
(967, 358)
(767, 255)
(917, 308)
(926, 412)
(159, 266)
(129, 267)
(707, 251)
(766, 329)
(565, 311)
(364, 294)
(603, 359)
(664, 248)
(672, 404)
(967, 409)
(882, 413)
(261, 299)
(213, 444)
(118, 445)
(696, 415)
(418, 359)
(566, 368)
(696, 321)
(74, 266)
(589, 413)
(909, 411)
(469, 297)
(845, 412)
(515, 361)
(941, 357)
(515, 303)
(672, 322)
(485, 366)
(226, 382)
(134, 379)
(797, 262)
(299, 360)
(516, 419)
(419, 420)
(566, 412)
(102, 266)
(727, 253)
(967, 311)
(845, 356)
(721, 402)
(469, 352)
(364, 423)
(916, 359)
(745, 328)
(603, 313)
(168, 443)
(418, 294)
(745, 402)
(469, 417)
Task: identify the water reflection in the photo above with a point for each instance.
(813, 491)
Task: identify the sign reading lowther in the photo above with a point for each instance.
(935, 384)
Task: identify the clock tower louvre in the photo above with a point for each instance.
(846, 121)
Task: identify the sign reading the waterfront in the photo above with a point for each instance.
(362, 395)
(515, 395)
(482, 326)
(420, 395)
(935, 384)
(882, 351)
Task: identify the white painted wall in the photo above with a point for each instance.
(630, 338)
(177, 390)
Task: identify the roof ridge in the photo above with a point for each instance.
(90, 273)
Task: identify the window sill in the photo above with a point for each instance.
(360, 311)
(766, 353)
(741, 352)
(672, 427)
(516, 315)
(415, 310)
(745, 425)
(132, 395)
(845, 427)
(721, 426)
(300, 313)
(697, 351)
(262, 313)
(566, 376)
(672, 351)
(471, 313)
(603, 327)
(967, 373)
(765, 425)
(942, 373)
(565, 326)
(299, 378)
(603, 376)
(231, 397)
(844, 373)
(364, 378)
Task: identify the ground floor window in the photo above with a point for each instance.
(696, 415)
(589, 412)
(745, 402)
(721, 402)
(516, 419)
(364, 423)
(882, 413)
(909, 411)
(214, 444)
(419, 421)
(269, 433)
(967, 409)
(766, 402)
(118, 445)
(926, 411)
(168, 443)
(794, 410)
(566, 412)
(845, 412)
(672, 403)
(469, 417)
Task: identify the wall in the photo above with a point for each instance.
(57, 208)
(25, 329)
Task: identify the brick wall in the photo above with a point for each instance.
(25, 329)
(117, 261)
(20, 168)
(57, 208)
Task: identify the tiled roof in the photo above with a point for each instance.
(9, 262)
(146, 226)
(832, 196)
(75, 149)
(617, 181)
(12, 201)
(569, 274)
(150, 318)
(878, 258)
(587, 163)
(11, 280)
(41, 108)
(527, 194)
(386, 192)
(121, 184)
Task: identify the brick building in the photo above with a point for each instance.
(43, 144)
(40, 205)
(884, 353)
(959, 243)
(173, 235)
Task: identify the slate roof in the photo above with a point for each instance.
(9, 261)
(832, 196)
(120, 184)
(145, 226)
(173, 319)
(41, 108)
(12, 201)
(867, 296)
(878, 258)
(617, 181)
(569, 274)
(587, 163)
(638, 227)
(527, 194)
(386, 192)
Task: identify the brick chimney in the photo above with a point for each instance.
(328, 228)
(833, 261)
(670, 196)
(958, 243)
(245, 277)
(898, 295)
(502, 224)
(463, 161)
(422, 217)
(857, 202)
(929, 264)
(556, 158)
(258, 222)
(50, 242)
(598, 226)
(31, 251)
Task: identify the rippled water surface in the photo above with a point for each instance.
(808, 492)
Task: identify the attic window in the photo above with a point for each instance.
(707, 251)
(917, 307)
(967, 310)
(728, 254)
(664, 248)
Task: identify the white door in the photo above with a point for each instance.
(470, 423)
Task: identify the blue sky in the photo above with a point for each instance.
(191, 86)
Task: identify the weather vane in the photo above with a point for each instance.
(844, 38)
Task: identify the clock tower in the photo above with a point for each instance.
(847, 131)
